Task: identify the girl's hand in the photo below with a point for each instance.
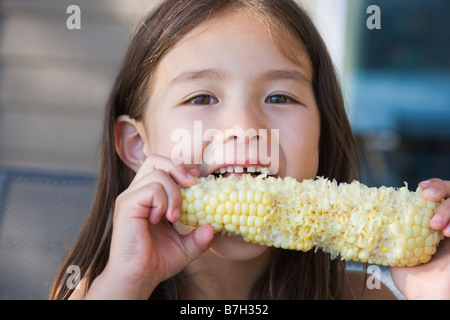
(431, 280)
(145, 248)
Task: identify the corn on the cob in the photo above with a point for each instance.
(383, 226)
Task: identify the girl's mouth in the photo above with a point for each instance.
(238, 171)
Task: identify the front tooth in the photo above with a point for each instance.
(223, 170)
(230, 169)
(238, 169)
(251, 169)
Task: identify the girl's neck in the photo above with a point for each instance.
(216, 278)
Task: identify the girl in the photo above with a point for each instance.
(230, 65)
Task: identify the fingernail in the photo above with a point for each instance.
(176, 214)
(189, 176)
(446, 231)
(425, 184)
(192, 174)
(430, 192)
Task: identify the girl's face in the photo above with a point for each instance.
(228, 78)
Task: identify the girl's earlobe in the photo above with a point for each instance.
(128, 142)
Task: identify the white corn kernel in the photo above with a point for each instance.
(258, 196)
(213, 201)
(229, 207)
(226, 219)
(250, 196)
(261, 211)
(198, 194)
(234, 196)
(252, 209)
(221, 209)
(223, 197)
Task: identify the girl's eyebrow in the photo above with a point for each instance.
(212, 74)
(198, 74)
(284, 75)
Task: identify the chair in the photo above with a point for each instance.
(40, 215)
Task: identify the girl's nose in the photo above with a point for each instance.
(241, 122)
(244, 133)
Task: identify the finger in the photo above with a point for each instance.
(148, 202)
(441, 218)
(182, 174)
(197, 242)
(171, 190)
(435, 189)
(159, 202)
(173, 194)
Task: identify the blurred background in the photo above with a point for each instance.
(54, 83)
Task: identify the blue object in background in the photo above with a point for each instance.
(400, 97)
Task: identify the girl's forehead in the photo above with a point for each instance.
(224, 29)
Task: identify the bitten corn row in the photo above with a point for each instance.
(383, 226)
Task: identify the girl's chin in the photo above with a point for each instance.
(234, 247)
(230, 247)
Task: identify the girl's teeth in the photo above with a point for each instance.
(238, 169)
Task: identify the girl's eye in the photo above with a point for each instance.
(280, 98)
(203, 99)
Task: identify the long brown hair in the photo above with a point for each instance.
(292, 275)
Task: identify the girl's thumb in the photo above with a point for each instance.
(197, 242)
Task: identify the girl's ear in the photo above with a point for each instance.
(129, 143)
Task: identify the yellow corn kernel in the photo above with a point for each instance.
(243, 220)
(267, 198)
(229, 207)
(189, 195)
(258, 222)
(191, 208)
(199, 205)
(213, 201)
(250, 196)
(376, 225)
(250, 221)
(252, 209)
(244, 208)
(210, 210)
(200, 215)
(218, 218)
(237, 208)
(409, 220)
(221, 209)
(223, 197)
(261, 211)
(242, 195)
(198, 194)
(226, 219)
